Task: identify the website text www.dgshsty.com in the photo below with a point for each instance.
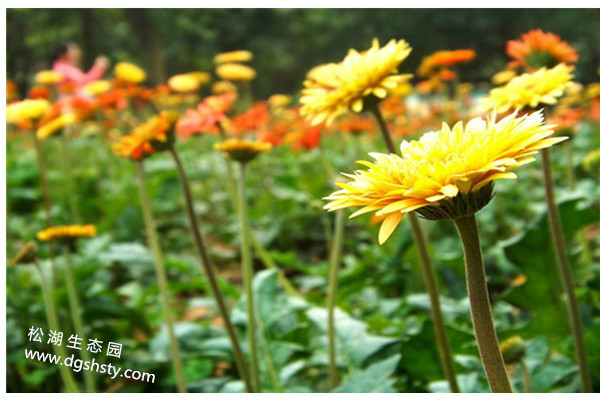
(77, 365)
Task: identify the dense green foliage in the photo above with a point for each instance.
(386, 340)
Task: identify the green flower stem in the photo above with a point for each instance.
(268, 262)
(261, 252)
(434, 300)
(161, 276)
(268, 359)
(568, 145)
(67, 165)
(246, 97)
(428, 273)
(527, 388)
(332, 176)
(560, 249)
(481, 311)
(209, 271)
(263, 255)
(248, 275)
(327, 232)
(385, 132)
(65, 372)
(88, 376)
(43, 180)
(334, 269)
(47, 200)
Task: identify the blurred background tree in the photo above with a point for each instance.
(286, 42)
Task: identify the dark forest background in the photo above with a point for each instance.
(286, 42)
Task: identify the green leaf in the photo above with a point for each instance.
(532, 252)
(354, 344)
(374, 379)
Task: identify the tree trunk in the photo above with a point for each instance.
(150, 40)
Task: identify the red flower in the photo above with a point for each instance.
(206, 116)
(255, 118)
(39, 92)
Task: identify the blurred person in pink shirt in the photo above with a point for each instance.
(66, 58)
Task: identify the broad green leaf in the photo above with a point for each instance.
(374, 379)
(354, 344)
(532, 252)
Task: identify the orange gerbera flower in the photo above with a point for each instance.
(449, 58)
(64, 113)
(536, 49)
(356, 125)
(275, 133)
(393, 106)
(447, 75)
(305, 136)
(443, 60)
(255, 118)
(12, 90)
(567, 120)
(39, 92)
(146, 138)
(114, 99)
(206, 116)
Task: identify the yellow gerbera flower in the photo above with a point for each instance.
(592, 90)
(401, 90)
(27, 110)
(502, 77)
(221, 87)
(184, 83)
(97, 88)
(48, 77)
(543, 86)
(66, 232)
(234, 57)
(332, 89)
(130, 72)
(279, 100)
(445, 173)
(235, 72)
(56, 124)
(242, 150)
(202, 77)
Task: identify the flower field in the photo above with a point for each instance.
(379, 229)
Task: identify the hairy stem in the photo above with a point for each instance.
(65, 372)
(47, 200)
(43, 180)
(428, 273)
(71, 188)
(75, 308)
(560, 249)
(248, 274)
(481, 310)
(261, 252)
(334, 268)
(527, 388)
(161, 276)
(434, 300)
(209, 272)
